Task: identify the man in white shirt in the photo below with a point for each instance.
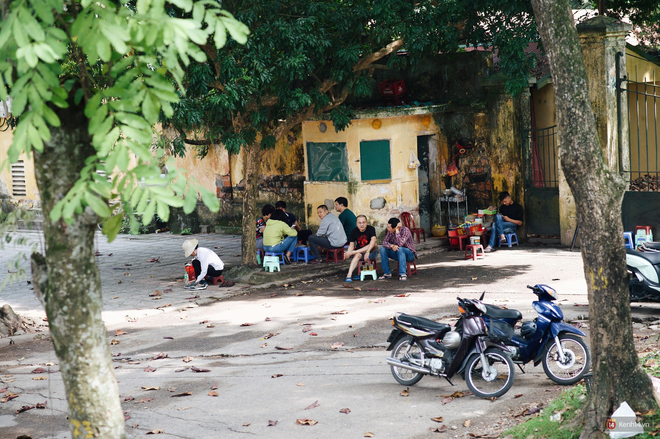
(206, 263)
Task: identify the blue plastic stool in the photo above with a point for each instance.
(628, 240)
(271, 263)
(365, 273)
(306, 256)
(260, 252)
(509, 239)
(279, 254)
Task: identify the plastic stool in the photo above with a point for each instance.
(335, 255)
(366, 273)
(260, 254)
(647, 231)
(628, 240)
(361, 263)
(305, 250)
(279, 255)
(271, 263)
(456, 240)
(471, 252)
(509, 239)
(411, 268)
(215, 279)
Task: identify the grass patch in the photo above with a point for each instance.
(569, 404)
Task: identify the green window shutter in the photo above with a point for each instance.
(375, 160)
(327, 161)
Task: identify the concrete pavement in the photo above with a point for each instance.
(246, 337)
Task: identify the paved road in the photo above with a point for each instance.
(244, 361)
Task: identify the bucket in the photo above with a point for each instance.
(475, 240)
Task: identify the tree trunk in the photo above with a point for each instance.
(598, 194)
(251, 168)
(68, 284)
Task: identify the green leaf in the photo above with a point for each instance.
(35, 138)
(51, 117)
(148, 214)
(220, 35)
(190, 202)
(150, 109)
(108, 142)
(56, 213)
(98, 205)
(237, 30)
(163, 210)
(209, 198)
(103, 47)
(112, 226)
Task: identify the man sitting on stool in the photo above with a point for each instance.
(362, 245)
(205, 262)
(330, 235)
(399, 246)
(510, 217)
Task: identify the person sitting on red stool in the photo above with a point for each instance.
(205, 262)
(362, 245)
(399, 246)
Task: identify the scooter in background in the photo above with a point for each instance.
(644, 270)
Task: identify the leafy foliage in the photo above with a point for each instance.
(123, 61)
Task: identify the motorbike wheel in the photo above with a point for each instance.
(492, 383)
(576, 362)
(404, 350)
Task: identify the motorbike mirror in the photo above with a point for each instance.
(482, 296)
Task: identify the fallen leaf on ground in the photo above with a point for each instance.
(120, 332)
(39, 378)
(9, 396)
(267, 319)
(438, 419)
(126, 416)
(270, 335)
(150, 388)
(272, 423)
(467, 423)
(168, 338)
(214, 387)
(197, 370)
(212, 393)
(357, 288)
(143, 400)
(129, 398)
(171, 389)
(440, 429)
(493, 399)
(379, 301)
(313, 405)
(116, 297)
(204, 322)
(156, 293)
(246, 424)
(154, 431)
(176, 395)
(183, 408)
(187, 359)
(369, 434)
(156, 298)
(402, 295)
(518, 395)
(306, 421)
(336, 345)
(446, 400)
(149, 369)
(345, 410)
(154, 259)
(41, 405)
(280, 348)
(163, 306)
(210, 326)
(248, 324)
(113, 342)
(263, 345)
(159, 356)
(314, 334)
(307, 328)
(300, 385)
(530, 411)
(343, 311)
(182, 370)
(300, 294)
(405, 392)
(25, 408)
(277, 375)
(273, 295)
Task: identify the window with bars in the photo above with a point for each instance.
(18, 188)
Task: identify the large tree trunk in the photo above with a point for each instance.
(251, 167)
(68, 284)
(598, 194)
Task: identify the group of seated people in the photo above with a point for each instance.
(278, 232)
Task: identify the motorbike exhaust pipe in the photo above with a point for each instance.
(393, 362)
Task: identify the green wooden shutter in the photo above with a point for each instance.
(327, 161)
(375, 160)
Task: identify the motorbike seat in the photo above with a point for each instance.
(652, 257)
(496, 312)
(421, 322)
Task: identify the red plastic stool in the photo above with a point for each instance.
(471, 252)
(215, 280)
(361, 263)
(411, 268)
(335, 255)
(647, 229)
(456, 240)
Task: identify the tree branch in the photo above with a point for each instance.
(370, 59)
(198, 142)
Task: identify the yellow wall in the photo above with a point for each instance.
(32, 193)
(401, 193)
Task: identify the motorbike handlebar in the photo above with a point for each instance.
(531, 287)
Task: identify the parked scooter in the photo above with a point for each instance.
(547, 339)
(644, 270)
(423, 347)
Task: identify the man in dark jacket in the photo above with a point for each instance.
(510, 217)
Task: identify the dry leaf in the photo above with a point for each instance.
(403, 295)
(272, 423)
(518, 395)
(467, 423)
(114, 342)
(313, 405)
(345, 410)
(187, 359)
(246, 424)
(154, 431)
(25, 408)
(159, 356)
(120, 332)
(313, 334)
(270, 335)
(214, 387)
(163, 306)
(263, 345)
(248, 324)
(357, 288)
(440, 429)
(405, 392)
(150, 388)
(176, 395)
(447, 400)
(183, 408)
(129, 398)
(300, 294)
(9, 396)
(126, 416)
(143, 400)
(300, 385)
(369, 434)
(343, 311)
(336, 345)
(197, 370)
(116, 297)
(39, 378)
(379, 301)
(266, 320)
(212, 393)
(156, 293)
(438, 419)
(149, 369)
(306, 421)
(210, 326)
(280, 348)
(204, 322)
(277, 375)
(307, 328)
(156, 298)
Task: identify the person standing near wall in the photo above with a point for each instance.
(346, 216)
(330, 235)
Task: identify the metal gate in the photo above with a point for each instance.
(641, 168)
(542, 184)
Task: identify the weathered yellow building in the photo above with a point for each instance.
(17, 181)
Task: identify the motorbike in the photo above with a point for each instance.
(644, 272)
(546, 339)
(423, 347)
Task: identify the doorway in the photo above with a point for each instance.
(423, 178)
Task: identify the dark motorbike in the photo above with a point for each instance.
(644, 270)
(423, 347)
(546, 339)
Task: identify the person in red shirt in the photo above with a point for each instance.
(399, 246)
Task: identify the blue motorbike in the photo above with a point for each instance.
(546, 339)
